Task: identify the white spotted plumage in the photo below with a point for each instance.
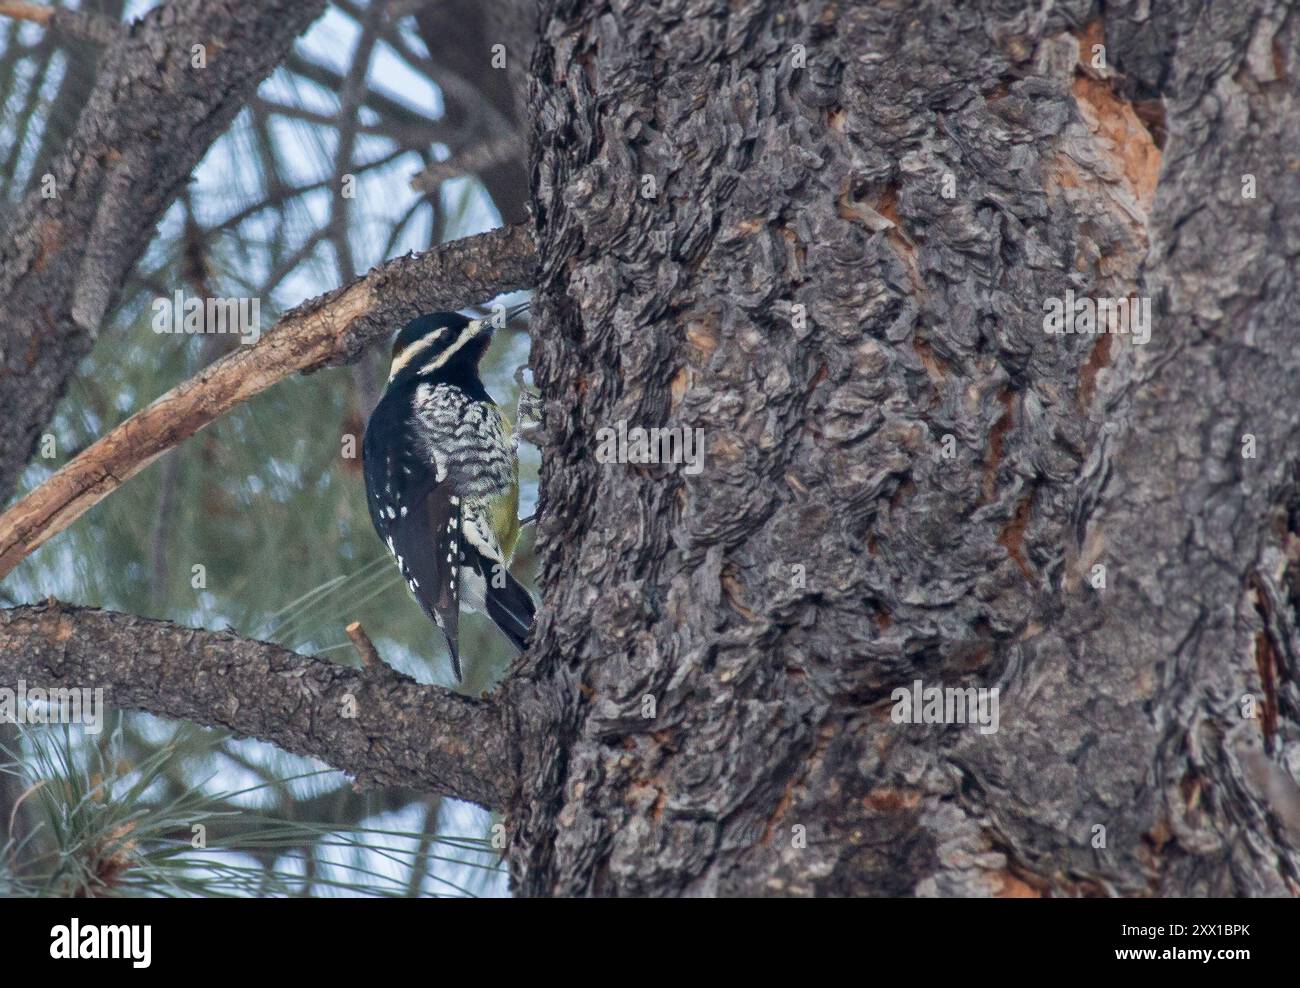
(442, 469)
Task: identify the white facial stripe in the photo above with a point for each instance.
(409, 354)
(466, 334)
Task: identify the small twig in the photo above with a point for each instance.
(409, 137)
(82, 25)
(26, 11)
(473, 160)
(364, 646)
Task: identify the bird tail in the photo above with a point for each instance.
(454, 652)
(511, 609)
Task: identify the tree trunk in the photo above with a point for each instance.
(825, 234)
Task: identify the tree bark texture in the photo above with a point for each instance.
(383, 728)
(782, 181)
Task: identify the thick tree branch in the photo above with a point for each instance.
(377, 725)
(165, 90)
(333, 328)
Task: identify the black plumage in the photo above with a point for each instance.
(442, 479)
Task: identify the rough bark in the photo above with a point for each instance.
(148, 122)
(822, 186)
(381, 727)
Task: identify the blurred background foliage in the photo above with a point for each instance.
(400, 101)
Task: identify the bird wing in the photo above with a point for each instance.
(432, 529)
(418, 518)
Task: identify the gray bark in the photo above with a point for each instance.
(821, 186)
(381, 726)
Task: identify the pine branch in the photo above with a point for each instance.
(334, 328)
(379, 726)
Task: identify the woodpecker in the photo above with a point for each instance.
(442, 478)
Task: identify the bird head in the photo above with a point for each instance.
(444, 340)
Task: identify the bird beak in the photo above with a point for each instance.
(495, 322)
